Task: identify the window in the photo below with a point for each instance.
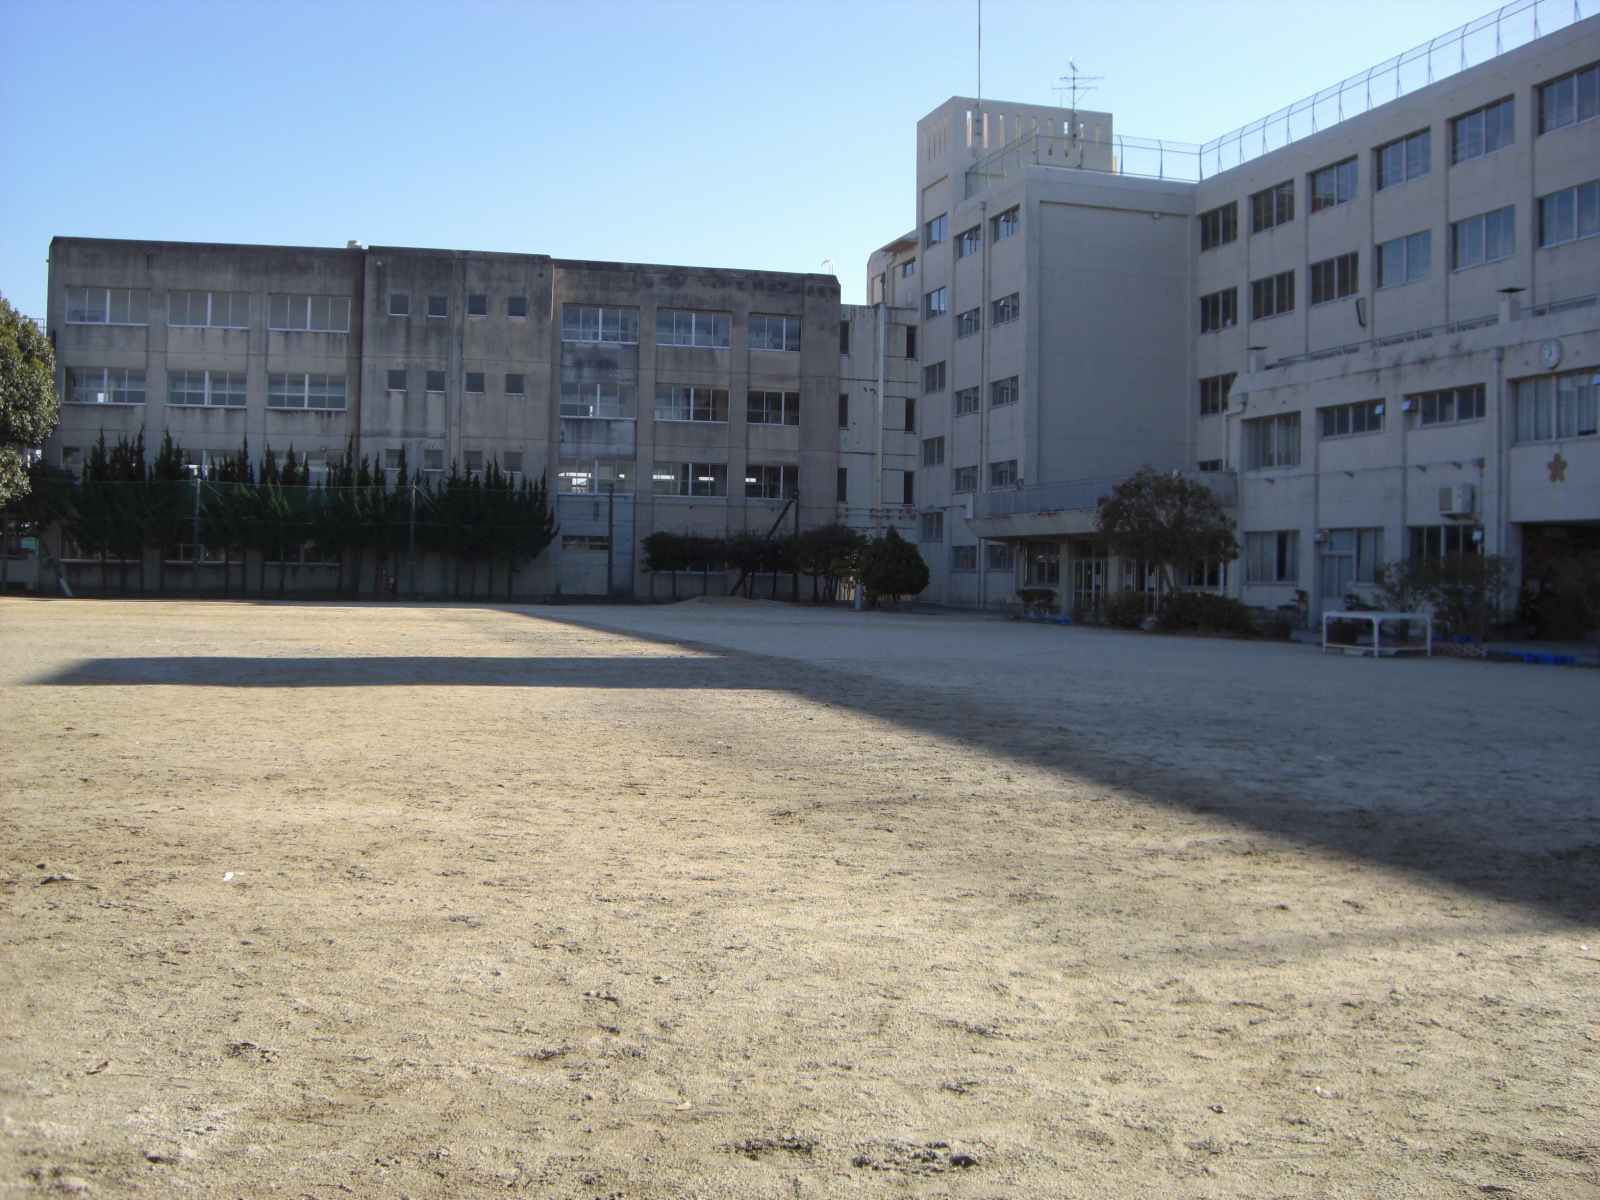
(1007, 223)
(1356, 555)
(107, 306)
(772, 408)
(1004, 391)
(1450, 405)
(935, 303)
(911, 341)
(435, 381)
(999, 556)
(1272, 442)
(1570, 99)
(399, 304)
(908, 268)
(1214, 391)
(1482, 132)
(1436, 541)
(219, 389)
(933, 378)
(1272, 557)
(936, 230)
(844, 337)
(438, 306)
(217, 310)
(1007, 308)
(472, 461)
(1219, 226)
(314, 314)
(513, 462)
(1405, 260)
(1209, 464)
(1042, 562)
(841, 488)
(583, 324)
(694, 329)
(1569, 215)
(1333, 185)
(319, 392)
(1343, 420)
(1272, 295)
(516, 385)
(691, 404)
(771, 482)
(105, 385)
(969, 242)
(908, 487)
(1335, 278)
(933, 452)
(1555, 406)
(393, 457)
(585, 543)
(969, 322)
(397, 379)
(474, 383)
(964, 479)
(844, 410)
(1483, 239)
(1219, 310)
(1003, 474)
(477, 306)
(1404, 160)
(595, 476)
(966, 401)
(689, 479)
(910, 415)
(606, 401)
(1275, 206)
(516, 306)
(930, 527)
(963, 558)
(775, 333)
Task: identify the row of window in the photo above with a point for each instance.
(439, 306)
(217, 310)
(1349, 556)
(762, 481)
(1562, 102)
(222, 389)
(1001, 391)
(1488, 237)
(581, 323)
(969, 241)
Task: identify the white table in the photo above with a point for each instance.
(1377, 620)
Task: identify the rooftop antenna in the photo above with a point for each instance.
(1075, 83)
(980, 51)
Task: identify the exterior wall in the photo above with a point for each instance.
(437, 427)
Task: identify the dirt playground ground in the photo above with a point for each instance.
(739, 900)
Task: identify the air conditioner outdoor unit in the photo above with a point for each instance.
(1457, 500)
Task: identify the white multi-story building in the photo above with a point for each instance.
(1375, 340)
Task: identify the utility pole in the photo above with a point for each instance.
(194, 554)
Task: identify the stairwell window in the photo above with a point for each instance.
(966, 401)
(1004, 391)
(964, 479)
(969, 241)
(1271, 296)
(935, 303)
(1486, 238)
(1272, 207)
(933, 452)
(936, 230)
(1405, 260)
(1483, 131)
(930, 527)
(933, 378)
(1008, 223)
(516, 385)
(1219, 310)
(1214, 392)
(1003, 474)
(1272, 442)
(396, 379)
(969, 322)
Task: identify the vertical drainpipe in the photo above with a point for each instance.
(981, 483)
(1502, 507)
(877, 424)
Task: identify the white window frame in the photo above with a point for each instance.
(1005, 391)
(765, 407)
(308, 391)
(706, 481)
(1008, 223)
(774, 332)
(591, 476)
(289, 313)
(106, 385)
(593, 323)
(1272, 556)
(230, 315)
(212, 384)
(584, 400)
(1273, 442)
(968, 400)
(771, 481)
(688, 327)
(691, 402)
(1007, 309)
(108, 306)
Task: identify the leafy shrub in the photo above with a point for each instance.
(1205, 612)
(1126, 610)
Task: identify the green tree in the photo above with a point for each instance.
(829, 553)
(28, 399)
(891, 566)
(1465, 592)
(1168, 521)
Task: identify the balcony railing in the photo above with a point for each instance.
(1079, 494)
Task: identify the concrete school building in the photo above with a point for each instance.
(645, 397)
(1375, 340)
(1371, 339)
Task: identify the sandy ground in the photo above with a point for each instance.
(742, 900)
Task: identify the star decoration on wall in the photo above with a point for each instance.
(1558, 468)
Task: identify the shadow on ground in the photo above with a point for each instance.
(1479, 842)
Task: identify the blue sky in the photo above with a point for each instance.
(736, 133)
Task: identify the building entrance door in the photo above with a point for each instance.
(1338, 567)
